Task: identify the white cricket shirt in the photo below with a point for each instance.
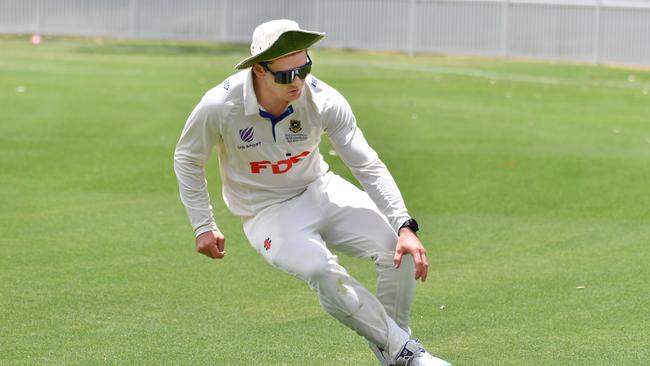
(265, 160)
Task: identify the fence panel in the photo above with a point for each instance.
(378, 24)
(625, 35)
(18, 16)
(246, 15)
(465, 27)
(86, 18)
(551, 32)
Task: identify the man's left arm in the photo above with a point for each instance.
(372, 173)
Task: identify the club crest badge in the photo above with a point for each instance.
(295, 126)
(297, 134)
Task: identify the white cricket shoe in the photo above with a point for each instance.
(413, 354)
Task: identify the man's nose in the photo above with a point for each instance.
(297, 81)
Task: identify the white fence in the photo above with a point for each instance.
(597, 31)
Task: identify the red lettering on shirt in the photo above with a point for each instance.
(280, 167)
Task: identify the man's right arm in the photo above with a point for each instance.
(192, 152)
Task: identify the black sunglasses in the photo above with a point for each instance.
(286, 77)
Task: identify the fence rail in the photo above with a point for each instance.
(596, 31)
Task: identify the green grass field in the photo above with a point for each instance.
(530, 180)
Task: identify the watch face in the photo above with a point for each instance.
(414, 225)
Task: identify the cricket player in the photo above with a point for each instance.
(266, 123)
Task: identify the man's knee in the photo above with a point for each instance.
(336, 290)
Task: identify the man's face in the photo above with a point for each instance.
(286, 92)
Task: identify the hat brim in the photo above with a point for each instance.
(288, 42)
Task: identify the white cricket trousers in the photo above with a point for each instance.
(297, 236)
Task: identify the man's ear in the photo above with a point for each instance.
(258, 70)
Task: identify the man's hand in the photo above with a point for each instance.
(211, 243)
(408, 243)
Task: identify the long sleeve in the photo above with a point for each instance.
(192, 152)
(364, 163)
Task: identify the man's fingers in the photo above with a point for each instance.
(215, 248)
(211, 244)
(421, 265)
(221, 244)
(417, 258)
(203, 249)
(211, 250)
(425, 266)
(216, 253)
(397, 259)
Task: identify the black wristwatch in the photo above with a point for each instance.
(411, 224)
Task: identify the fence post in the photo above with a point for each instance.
(596, 30)
(505, 20)
(411, 28)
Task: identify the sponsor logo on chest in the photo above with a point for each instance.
(247, 135)
(279, 167)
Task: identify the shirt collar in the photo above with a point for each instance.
(250, 99)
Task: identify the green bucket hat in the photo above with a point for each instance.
(277, 38)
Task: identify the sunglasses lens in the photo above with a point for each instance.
(304, 71)
(284, 77)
